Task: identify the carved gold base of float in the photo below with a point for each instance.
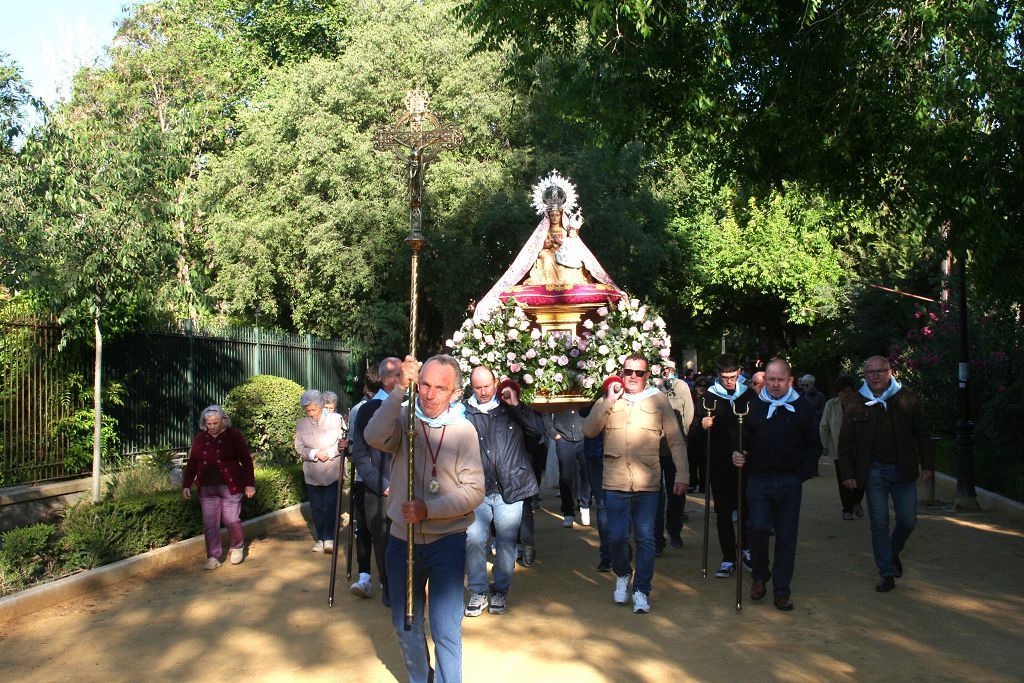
(560, 402)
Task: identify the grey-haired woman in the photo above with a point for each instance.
(316, 443)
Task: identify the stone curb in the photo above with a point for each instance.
(49, 594)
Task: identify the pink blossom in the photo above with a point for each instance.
(510, 356)
(933, 317)
(927, 331)
(656, 369)
(603, 311)
(637, 345)
(515, 367)
(588, 323)
(530, 353)
(513, 334)
(535, 334)
(558, 377)
(528, 378)
(563, 360)
(665, 353)
(648, 325)
(581, 365)
(489, 340)
(542, 362)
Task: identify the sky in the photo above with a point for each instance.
(51, 39)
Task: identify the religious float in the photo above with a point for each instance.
(556, 322)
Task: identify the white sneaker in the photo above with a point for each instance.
(640, 605)
(567, 522)
(477, 604)
(498, 605)
(621, 589)
(318, 547)
(328, 547)
(585, 516)
(237, 556)
(363, 588)
(211, 563)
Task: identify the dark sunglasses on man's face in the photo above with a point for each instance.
(630, 371)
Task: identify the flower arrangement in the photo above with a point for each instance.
(559, 363)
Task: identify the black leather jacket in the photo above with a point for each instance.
(506, 461)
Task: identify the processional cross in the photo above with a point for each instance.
(415, 138)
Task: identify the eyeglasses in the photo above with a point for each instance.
(626, 372)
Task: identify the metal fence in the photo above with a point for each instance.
(167, 377)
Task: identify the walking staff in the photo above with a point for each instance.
(337, 527)
(707, 488)
(739, 509)
(351, 520)
(415, 138)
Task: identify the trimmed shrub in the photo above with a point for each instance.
(276, 488)
(265, 408)
(23, 555)
(139, 478)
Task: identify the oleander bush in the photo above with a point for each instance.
(265, 408)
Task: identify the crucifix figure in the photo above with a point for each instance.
(416, 138)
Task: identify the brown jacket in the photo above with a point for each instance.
(459, 470)
(913, 443)
(632, 438)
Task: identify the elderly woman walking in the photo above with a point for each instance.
(220, 464)
(316, 442)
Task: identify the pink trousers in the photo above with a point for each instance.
(220, 505)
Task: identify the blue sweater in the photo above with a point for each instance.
(788, 443)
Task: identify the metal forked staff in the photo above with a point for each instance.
(739, 512)
(415, 138)
(707, 480)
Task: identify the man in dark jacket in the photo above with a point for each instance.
(716, 419)
(782, 448)
(371, 488)
(504, 424)
(882, 444)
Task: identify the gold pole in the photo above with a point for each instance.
(415, 244)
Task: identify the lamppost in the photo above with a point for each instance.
(415, 138)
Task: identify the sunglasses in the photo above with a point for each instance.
(630, 371)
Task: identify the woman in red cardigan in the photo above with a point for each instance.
(220, 465)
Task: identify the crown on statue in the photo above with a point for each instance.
(417, 101)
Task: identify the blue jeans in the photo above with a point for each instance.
(638, 508)
(595, 468)
(443, 564)
(884, 481)
(323, 502)
(506, 518)
(774, 502)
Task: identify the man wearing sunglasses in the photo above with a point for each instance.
(634, 417)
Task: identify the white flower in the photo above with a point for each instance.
(530, 353)
(542, 362)
(659, 321)
(552, 342)
(512, 322)
(535, 334)
(633, 303)
(601, 334)
(489, 340)
(466, 352)
(633, 332)
(511, 356)
(524, 325)
(656, 369)
(513, 334)
(603, 349)
(603, 311)
(588, 323)
(622, 359)
(657, 341)
(528, 378)
(477, 334)
(458, 336)
(475, 360)
(449, 343)
(563, 360)
(665, 353)
(558, 377)
(637, 345)
(490, 356)
(648, 325)
(609, 366)
(622, 305)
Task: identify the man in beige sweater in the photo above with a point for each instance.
(634, 417)
(448, 484)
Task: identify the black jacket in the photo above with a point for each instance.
(503, 433)
(373, 465)
(788, 443)
(725, 433)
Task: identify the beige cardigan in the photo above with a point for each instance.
(632, 440)
(312, 436)
(459, 471)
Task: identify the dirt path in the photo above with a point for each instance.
(957, 615)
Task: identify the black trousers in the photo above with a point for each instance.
(846, 496)
(372, 523)
(670, 506)
(723, 490)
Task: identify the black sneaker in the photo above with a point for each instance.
(676, 540)
(529, 555)
(604, 567)
(899, 566)
(885, 584)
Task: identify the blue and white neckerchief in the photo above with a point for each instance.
(718, 390)
(456, 413)
(483, 407)
(775, 403)
(381, 394)
(889, 392)
(641, 395)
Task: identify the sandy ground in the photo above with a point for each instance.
(957, 615)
